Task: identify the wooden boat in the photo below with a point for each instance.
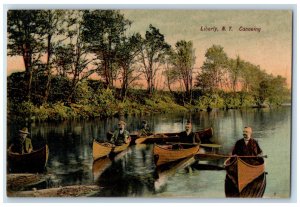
(245, 177)
(35, 161)
(204, 135)
(165, 154)
(106, 149)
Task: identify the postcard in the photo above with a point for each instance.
(149, 103)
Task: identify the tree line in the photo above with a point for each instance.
(61, 49)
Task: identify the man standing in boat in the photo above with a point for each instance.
(247, 146)
(121, 135)
(22, 144)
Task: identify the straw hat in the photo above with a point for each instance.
(122, 122)
(24, 130)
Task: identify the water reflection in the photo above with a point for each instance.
(134, 173)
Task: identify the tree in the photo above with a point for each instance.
(103, 30)
(184, 60)
(214, 67)
(25, 38)
(72, 58)
(272, 90)
(235, 66)
(127, 55)
(152, 53)
(53, 28)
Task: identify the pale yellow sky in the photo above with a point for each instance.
(271, 48)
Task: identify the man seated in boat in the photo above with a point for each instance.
(21, 144)
(187, 136)
(121, 135)
(247, 146)
(144, 130)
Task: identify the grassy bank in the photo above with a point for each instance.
(105, 103)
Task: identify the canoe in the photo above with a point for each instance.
(164, 154)
(162, 138)
(106, 149)
(245, 177)
(33, 162)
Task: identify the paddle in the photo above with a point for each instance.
(202, 156)
(194, 144)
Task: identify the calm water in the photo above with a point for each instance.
(133, 173)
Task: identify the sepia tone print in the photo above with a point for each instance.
(149, 103)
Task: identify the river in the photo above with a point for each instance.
(134, 174)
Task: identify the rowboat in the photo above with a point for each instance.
(35, 161)
(165, 154)
(106, 149)
(245, 177)
(204, 135)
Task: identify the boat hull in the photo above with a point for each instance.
(35, 161)
(255, 189)
(244, 179)
(163, 154)
(204, 135)
(101, 150)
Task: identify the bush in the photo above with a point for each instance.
(210, 101)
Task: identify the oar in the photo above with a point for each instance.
(202, 155)
(194, 144)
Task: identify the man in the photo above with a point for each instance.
(144, 131)
(247, 146)
(188, 136)
(22, 144)
(120, 136)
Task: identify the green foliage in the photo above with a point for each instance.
(105, 101)
(246, 99)
(210, 101)
(78, 43)
(153, 51)
(214, 68)
(163, 103)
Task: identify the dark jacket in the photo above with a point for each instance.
(145, 132)
(251, 149)
(20, 146)
(119, 139)
(191, 138)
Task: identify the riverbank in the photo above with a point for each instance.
(25, 185)
(137, 103)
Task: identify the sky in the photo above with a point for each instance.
(268, 45)
(271, 47)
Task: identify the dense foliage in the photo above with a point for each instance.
(61, 49)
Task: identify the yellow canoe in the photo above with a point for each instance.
(165, 154)
(105, 149)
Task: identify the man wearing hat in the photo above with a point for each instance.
(144, 130)
(22, 144)
(120, 136)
